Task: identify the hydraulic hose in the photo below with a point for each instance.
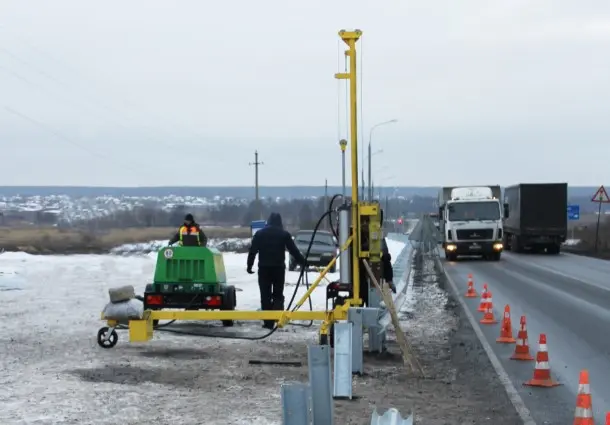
(303, 276)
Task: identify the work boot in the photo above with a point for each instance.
(268, 324)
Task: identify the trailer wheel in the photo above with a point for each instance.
(229, 303)
(112, 340)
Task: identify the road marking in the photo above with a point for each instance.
(511, 391)
(556, 272)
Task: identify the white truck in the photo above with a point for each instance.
(471, 221)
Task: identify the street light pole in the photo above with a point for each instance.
(370, 166)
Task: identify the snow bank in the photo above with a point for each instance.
(571, 242)
(54, 372)
(224, 245)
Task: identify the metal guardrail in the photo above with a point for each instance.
(390, 417)
(312, 403)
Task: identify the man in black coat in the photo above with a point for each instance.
(271, 243)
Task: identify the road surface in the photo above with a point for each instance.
(567, 297)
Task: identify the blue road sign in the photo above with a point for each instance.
(256, 225)
(573, 212)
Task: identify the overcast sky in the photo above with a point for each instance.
(145, 93)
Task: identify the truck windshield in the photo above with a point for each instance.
(471, 211)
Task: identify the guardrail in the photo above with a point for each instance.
(312, 403)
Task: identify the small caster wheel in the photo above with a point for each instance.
(113, 338)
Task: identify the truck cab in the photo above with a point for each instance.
(471, 222)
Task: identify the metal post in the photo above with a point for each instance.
(344, 232)
(342, 382)
(354, 316)
(599, 215)
(295, 403)
(320, 382)
(377, 335)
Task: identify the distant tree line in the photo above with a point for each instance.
(297, 213)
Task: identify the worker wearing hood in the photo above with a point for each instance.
(270, 244)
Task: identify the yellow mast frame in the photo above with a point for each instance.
(142, 330)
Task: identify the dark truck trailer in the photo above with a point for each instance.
(537, 217)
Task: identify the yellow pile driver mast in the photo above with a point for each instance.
(366, 232)
(361, 238)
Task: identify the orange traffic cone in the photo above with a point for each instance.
(483, 304)
(608, 418)
(584, 409)
(522, 349)
(488, 317)
(542, 371)
(506, 333)
(471, 292)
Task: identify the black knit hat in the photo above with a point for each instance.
(189, 217)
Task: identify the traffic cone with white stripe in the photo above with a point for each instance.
(584, 408)
(471, 292)
(488, 317)
(542, 371)
(522, 349)
(483, 304)
(506, 333)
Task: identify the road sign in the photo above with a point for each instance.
(573, 212)
(601, 196)
(256, 225)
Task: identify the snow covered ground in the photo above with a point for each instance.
(52, 370)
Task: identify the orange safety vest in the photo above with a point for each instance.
(187, 231)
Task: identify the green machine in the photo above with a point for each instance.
(190, 278)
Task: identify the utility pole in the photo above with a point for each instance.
(256, 163)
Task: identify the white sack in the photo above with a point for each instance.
(126, 310)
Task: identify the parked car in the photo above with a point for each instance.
(325, 247)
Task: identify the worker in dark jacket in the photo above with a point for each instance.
(271, 243)
(386, 265)
(189, 234)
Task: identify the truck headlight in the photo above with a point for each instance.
(451, 247)
(498, 246)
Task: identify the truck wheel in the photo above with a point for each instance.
(515, 244)
(495, 256)
(450, 256)
(553, 249)
(229, 303)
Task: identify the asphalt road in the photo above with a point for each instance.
(567, 297)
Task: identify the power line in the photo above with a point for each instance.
(67, 139)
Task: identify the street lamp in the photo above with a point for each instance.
(370, 155)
